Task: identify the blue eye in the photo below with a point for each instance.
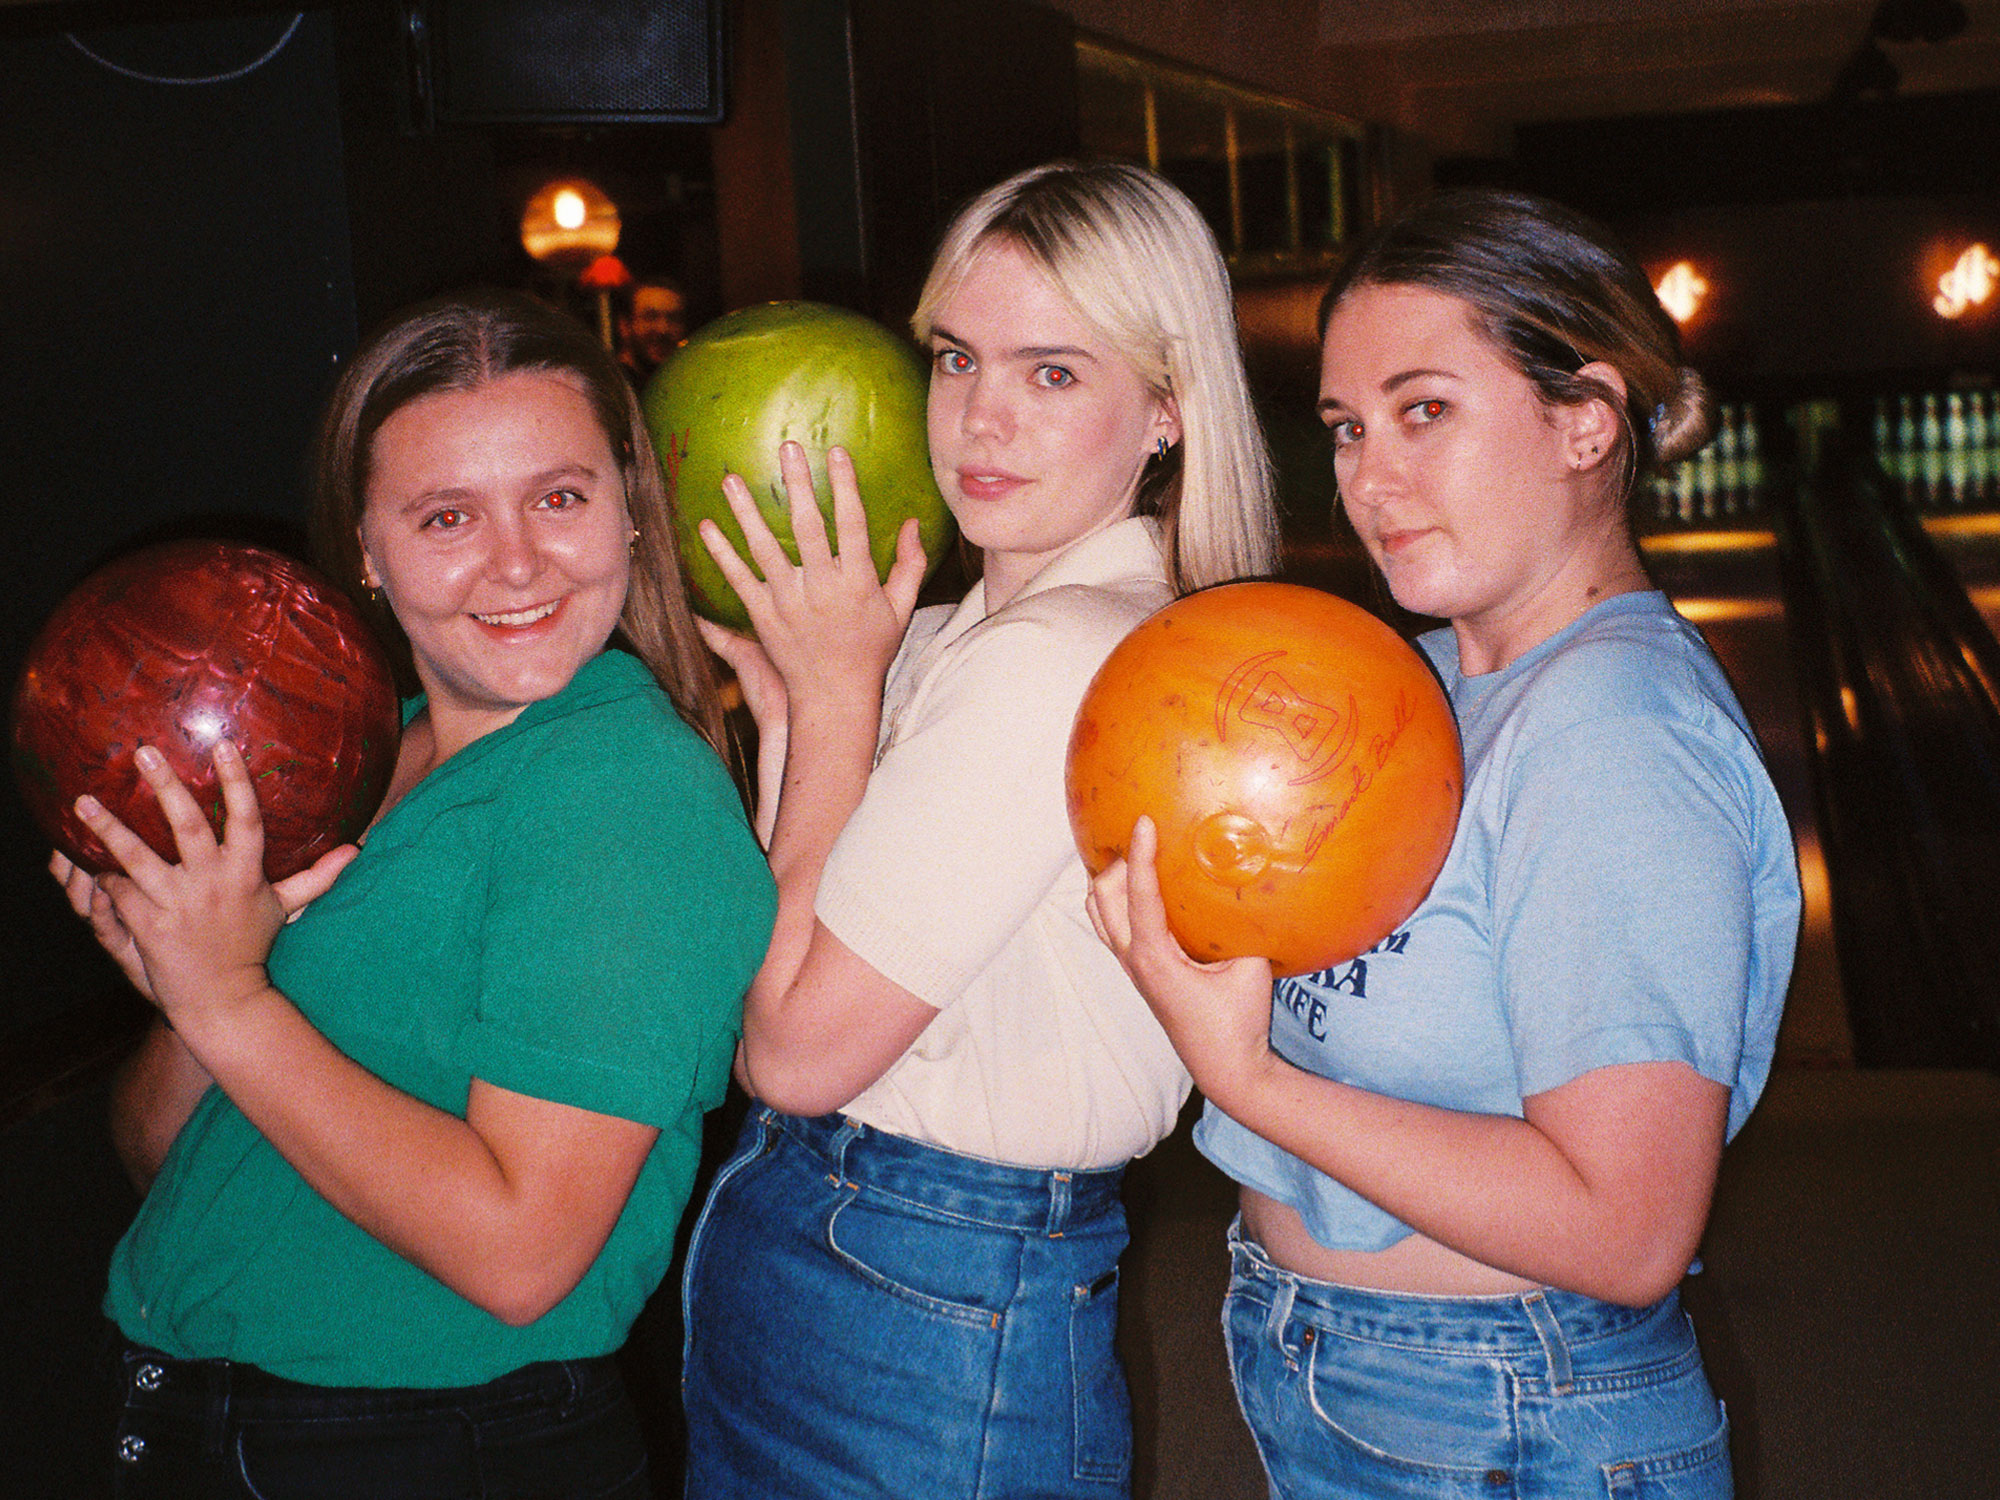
(952, 361)
(448, 519)
(1054, 377)
(1344, 433)
(561, 500)
(1427, 411)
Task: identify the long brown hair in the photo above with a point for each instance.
(464, 341)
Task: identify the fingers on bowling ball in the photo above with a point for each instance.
(186, 644)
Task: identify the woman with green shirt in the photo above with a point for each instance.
(419, 1122)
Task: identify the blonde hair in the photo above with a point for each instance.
(1137, 262)
(463, 342)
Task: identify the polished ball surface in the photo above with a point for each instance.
(817, 375)
(1298, 757)
(179, 645)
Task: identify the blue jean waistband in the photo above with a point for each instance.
(1510, 1323)
(1030, 1199)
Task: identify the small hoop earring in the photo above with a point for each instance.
(1160, 448)
(632, 547)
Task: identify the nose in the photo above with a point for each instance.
(1364, 473)
(986, 413)
(516, 555)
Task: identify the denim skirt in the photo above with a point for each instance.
(212, 1429)
(1541, 1395)
(870, 1316)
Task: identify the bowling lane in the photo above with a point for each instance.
(1971, 544)
(1726, 583)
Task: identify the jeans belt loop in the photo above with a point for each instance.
(1555, 1347)
(1282, 1295)
(850, 1130)
(221, 1393)
(1060, 1203)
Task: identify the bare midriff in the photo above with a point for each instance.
(1413, 1264)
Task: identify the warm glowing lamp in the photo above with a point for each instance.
(569, 223)
(1969, 283)
(1681, 291)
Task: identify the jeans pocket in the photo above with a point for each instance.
(1102, 1404)
(1698, 1473)
(960, 1272)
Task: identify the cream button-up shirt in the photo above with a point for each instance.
(958, 879)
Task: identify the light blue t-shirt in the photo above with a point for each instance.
(1621, 888)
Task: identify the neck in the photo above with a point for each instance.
(1489, 643)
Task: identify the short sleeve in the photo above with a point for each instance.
(1624, 921)
(627, 911)
(963, 830)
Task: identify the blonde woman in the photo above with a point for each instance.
(905, 1281)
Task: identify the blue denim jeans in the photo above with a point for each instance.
(213, 1430)
(870, 1316)
(1542, 1395)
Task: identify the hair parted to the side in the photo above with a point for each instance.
(1137, 262)
(1553, 292)
(464, 341)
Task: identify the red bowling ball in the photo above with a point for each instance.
(179, 645)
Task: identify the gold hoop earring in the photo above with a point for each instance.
(1160, 448)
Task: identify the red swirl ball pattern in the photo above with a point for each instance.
(180, 645)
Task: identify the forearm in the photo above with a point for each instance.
(1607, 1221)
(830, 752)
(153, 1093)
(820, 1024)
(421, 1180)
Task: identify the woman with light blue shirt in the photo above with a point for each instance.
(1477, 1160)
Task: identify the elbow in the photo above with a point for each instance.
(1639, 1289)
(801, 1087)
(1645, 1275)
(522, 1296)
(792, 1092)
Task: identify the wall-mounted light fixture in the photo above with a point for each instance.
(568, 223)
(1681, 291)
(1969, 283)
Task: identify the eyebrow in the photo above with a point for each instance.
(1394, 383)
(448, 494)
(1027, 351)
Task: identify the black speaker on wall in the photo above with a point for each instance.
(565, 61)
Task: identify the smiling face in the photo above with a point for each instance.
(496, 525)
(1039, 429)
(1480, 503)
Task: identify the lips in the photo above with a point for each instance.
(520, 619)
(988, 484)
(1390, 543)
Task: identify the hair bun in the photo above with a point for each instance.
(1685, 420)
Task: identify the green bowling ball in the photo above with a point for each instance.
(820, 375)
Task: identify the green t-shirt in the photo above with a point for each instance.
(571, 907)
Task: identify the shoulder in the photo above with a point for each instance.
(1639, 661)
(614, 709)
(610, 755)
(1090, 617)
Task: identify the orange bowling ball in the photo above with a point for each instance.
(1298, 758)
